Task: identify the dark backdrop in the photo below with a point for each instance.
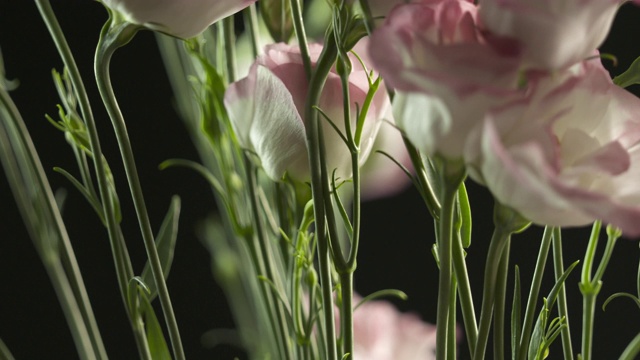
(397, 233)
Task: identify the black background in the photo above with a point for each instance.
(397, 233)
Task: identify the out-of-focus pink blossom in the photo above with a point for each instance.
(183, 19)
(382, 177)
(381, 332)
(566, 155)
(554, 34)
(448, 72)
(266, 110)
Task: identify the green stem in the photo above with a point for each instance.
(346, 313)
(532, 301)
(281, 324)
(632, 350)
(452, 326)
(464, 294)
(588, 312)
(251, 21)
(498, 242)
(298, 26)
(230, 47)
(368, 17)
(59, 39)
(499, 305)
(563, 312)
(323, 67)
(589, 257)
(444, 255)
(112, 38)
(45, 227)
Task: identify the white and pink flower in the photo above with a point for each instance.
(266, 110)
(567, 154)
(552, 34)
(447, 71)
(183, 19)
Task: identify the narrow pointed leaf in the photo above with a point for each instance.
(516, 319)
(165, 244)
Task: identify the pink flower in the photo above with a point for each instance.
(183, 19)
(381, 177)
(383, 333)
(554, 34)
(450, 73)
(265, 110)
(566, 155)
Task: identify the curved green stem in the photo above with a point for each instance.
(113, 36)
(532, 301)
(563, 312)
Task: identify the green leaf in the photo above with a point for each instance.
(95, 204)
(165, 244)
(381, 293)
(516, 319)
(277, 16)
(537, 338)
(553, 294)
(5, 354)
(629, 77)
(620, 294)
(464, 208)
(155, 338)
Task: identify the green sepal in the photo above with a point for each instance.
(630, 77)
(165, 244)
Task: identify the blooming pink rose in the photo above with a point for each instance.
(183, 19)
(266, 110)
(383, 333)
(554, 34)
(450, 73)
(566, 155)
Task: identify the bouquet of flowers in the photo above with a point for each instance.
(302, 111)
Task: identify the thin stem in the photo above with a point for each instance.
(230, 47)
(452, 326)
(589, 257)
(498, 243)
(527, 326)
(346, 313)
(47, 14)
(368, 17)
(588, 312)
(499, 305)
(111, 39)
(298, 26)
(464, 294)
(251, 21)
(445, 280)
(39, 224)
(266, 256)
(558, 267)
